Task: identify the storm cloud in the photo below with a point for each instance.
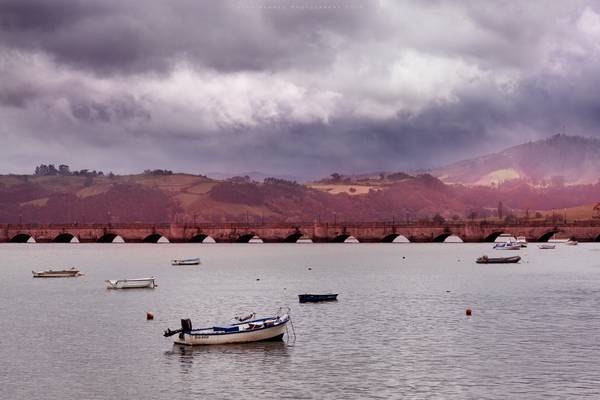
(301, 87)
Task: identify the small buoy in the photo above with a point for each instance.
(404, 258)
(309, 268)
(149, 316)
(468, 312)
(447, 291)
(258, 279)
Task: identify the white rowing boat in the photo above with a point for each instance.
(62, 273)
(256, 330)
(507, 246)
(139, 283)
(188, 261)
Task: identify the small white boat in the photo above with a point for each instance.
(555, 239)
(547, 246)
(571, 242)
(256, 330)
(507, 246)
(63, 273)
(255, 239)
(505, 238)
(522, 241)
(188, 261)
(139, 283)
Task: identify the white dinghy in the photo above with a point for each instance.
(62, 273)
(256, 330)
(139, 283)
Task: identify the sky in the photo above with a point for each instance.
(296, 87)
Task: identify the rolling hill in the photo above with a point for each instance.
(559, 159)
(185, 197)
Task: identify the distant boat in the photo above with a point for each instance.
(315, 298)
(257, 330)
(555, 239)
(498, 260)
(522, 241)
(139, 283)
(505, 238)
(63, 273)
(507, 246)
(571, 242)
(255, 239)
(547, 246)
(188, 261)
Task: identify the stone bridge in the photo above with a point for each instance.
(290, 232)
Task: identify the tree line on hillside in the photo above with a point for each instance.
(64, 170)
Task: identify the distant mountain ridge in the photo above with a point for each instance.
(556, 160)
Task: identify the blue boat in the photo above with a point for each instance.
(316, 298)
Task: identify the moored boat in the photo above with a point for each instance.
(555, 239)
(138, 283)
(315, 298)
(571, 242)
(62, 273)
(257, 330)
(522, 241)
(505, 238)
(188, 261)
(507, 246)
(498, 260)
(547, 246)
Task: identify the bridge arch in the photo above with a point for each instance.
(546, 236)
(493, 236)
(66, 238)
(293, 238)
(111, 238)
(22, 238)
(440, 238)
(156, 238)
(202, 238)
(395, 238)
(345, 238)
(597, 239)
(447, 237)
(340, 238)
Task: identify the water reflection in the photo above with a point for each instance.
(241, 354)
(396, 331)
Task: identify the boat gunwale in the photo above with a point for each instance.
(279, 322)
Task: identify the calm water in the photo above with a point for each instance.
(399, 329)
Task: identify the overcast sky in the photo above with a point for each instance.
(301, 87)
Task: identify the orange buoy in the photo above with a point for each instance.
(149, 316)
(469, 312)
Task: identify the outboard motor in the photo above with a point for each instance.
(186, 325)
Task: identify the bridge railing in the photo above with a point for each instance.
(303, 224)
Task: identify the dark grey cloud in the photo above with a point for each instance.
(290, 85)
